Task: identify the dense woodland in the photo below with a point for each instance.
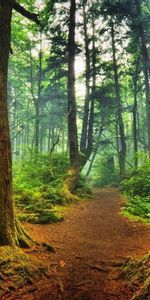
(74, 107)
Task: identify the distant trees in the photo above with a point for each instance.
(111, 39)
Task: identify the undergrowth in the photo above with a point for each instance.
(37, 183)
(137, 191)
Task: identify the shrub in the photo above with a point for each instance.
(137, 188)
(37, 184)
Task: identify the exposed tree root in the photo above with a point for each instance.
(23, 238)
(25, 241)
(137, 273)
(18, 270)
(97, 267)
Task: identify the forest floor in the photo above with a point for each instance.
(91, 243)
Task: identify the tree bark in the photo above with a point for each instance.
(7, 220)
(11, 232)
(92, 98)
(73, 172)
(85, 123)
(135, 109)
(72, 119)
(122, 149)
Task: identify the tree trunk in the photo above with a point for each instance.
(135, 138)
(72, 123)
(37, 125)
(122, 149)
(135, 108)
(89, 134)
(92, 98)
(73, 172)
(84, 134)
(11, 232)
(7, 221)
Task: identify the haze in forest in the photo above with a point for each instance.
(75, 147)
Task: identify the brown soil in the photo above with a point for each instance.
(90, 244)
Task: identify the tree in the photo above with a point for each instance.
(8, 231)
(72, 123)
(84, 134)
(122, 150)
(73, 172)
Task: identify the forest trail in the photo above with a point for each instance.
(93, 239)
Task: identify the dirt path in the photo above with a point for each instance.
(93, 236)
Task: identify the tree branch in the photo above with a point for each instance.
(31, 16)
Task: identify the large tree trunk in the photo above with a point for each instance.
(122, 150)
(73, 172)
(72, 123)
(7, 221)
(11, 232)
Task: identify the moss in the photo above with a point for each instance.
(49, 217)
(69, 185)
(17, 269)
(70, 197)
(137, 273)
(45, 216)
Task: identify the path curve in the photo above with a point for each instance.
(92, 236)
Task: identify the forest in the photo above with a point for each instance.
(75, 149)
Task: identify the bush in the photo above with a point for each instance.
(37, 184)
(137, 188)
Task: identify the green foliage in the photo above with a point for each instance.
(37, 188)
(44, 216)
(137, 188)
